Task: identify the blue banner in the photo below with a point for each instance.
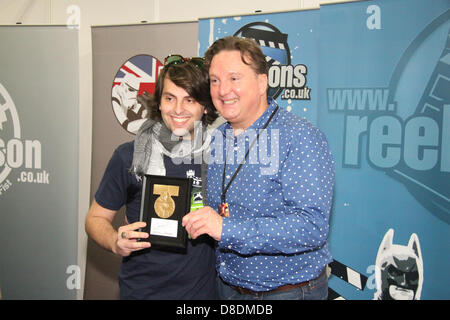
(385, 108)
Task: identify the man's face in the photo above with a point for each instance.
(238, 93)
(179, 111)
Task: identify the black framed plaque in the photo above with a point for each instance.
(165, 201)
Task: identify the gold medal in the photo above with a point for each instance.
(164, 205)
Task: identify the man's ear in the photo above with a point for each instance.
(263, 83)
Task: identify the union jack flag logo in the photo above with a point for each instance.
(145, 68)
(135, 76)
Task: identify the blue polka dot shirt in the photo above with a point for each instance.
(279, 202)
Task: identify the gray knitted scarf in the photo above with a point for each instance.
(156, 133)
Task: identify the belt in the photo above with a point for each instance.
(282, 288)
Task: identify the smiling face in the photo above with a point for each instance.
(179, 110)
(237, 91)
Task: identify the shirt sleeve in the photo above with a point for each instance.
(301, 222)
(112, 191)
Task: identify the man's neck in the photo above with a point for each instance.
(238, 128)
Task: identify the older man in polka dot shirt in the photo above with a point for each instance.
(277, 184)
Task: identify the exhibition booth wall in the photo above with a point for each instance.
(375, 82)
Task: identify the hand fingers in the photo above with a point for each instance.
(127, 238)
(192, 223)
(133, 245)
(204, 221)
(188, 220)
(193, 228)
(195, 215)
(134, 226)
(199, 224)
(126, 246)
(132, 235)
(127, 231)
(196, 232)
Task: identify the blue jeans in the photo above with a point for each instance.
(316, 289)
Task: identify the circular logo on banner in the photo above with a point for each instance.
(425, 166)
(136, 76)
(273, 44)
(8, 117)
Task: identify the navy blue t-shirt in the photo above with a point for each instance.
(151, 273)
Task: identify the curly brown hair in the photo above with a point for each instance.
(190, 77)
